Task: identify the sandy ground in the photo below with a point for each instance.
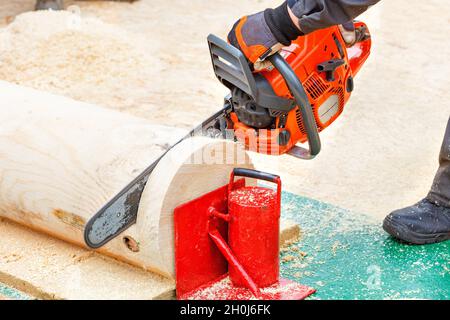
(381, 154)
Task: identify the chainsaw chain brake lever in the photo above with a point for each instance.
(301, 98)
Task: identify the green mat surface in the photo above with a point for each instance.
(9, 293)
(348, 256)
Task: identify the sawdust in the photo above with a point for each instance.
(335, 247)
(220, 289)
(9, 258)
(83, 256)
(85, 59)
(293, 256)
(253, 197)
(288, 258)
(54, 269)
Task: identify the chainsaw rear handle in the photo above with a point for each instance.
(359, 52)
(255, 174)
(301, 99)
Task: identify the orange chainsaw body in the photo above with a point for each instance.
(328, 93)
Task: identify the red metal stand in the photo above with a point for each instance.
(227, 244)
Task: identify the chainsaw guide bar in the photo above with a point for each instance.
(121, 212)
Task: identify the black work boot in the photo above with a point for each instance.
(49, 5)
(422, 223)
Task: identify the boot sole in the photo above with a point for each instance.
(402, 233)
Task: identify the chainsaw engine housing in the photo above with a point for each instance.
(262, 102)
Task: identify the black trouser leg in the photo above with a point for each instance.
(428, 221)
(49, 4)
(440, 191)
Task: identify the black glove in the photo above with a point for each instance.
(260, 35)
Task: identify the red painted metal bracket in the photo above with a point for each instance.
(201, 268)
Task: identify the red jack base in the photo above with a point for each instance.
(201, 268)
(223, 289)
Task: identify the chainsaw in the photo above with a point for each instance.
(270, 112)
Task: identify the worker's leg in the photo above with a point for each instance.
(429, 220)
(440, 190)
(49, 5)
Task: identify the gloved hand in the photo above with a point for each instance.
(260, 35)
(352, 35)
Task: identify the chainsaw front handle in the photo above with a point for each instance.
(301, 99)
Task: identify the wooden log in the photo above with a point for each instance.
(59, 270)
(62, 160)
(46, 268)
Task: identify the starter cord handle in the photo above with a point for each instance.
(297, 90)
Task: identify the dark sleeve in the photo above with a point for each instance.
(313, 15)
(320, 14)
